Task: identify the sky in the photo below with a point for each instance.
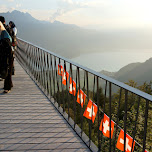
(93, 14)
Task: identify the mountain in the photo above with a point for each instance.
(65, 39)
(70, 40)
(139, 72)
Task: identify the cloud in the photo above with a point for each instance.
(66, 6)
(18, 5)
(4, 8)
(98, 3)
(10, 0)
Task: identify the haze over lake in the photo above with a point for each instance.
(111, 61)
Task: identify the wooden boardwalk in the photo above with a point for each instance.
(29, 122)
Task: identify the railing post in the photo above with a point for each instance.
(125, 118)
(41, 65)
(110, 94)
(117, 119)
(98, 113)
(145, 125)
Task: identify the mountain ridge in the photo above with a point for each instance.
(139, 72)
(70, 41)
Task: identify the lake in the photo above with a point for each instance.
(111, 61)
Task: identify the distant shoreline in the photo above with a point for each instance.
(111, 61)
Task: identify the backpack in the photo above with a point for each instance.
(3, 60)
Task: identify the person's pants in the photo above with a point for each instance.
(8, 82)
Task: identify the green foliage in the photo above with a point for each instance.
(75, 111)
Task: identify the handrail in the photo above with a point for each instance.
(116, 82)
(50, 71)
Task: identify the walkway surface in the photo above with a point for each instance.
(29, 122)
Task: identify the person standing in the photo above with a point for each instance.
(13, 30)
(13, 33)
(6, 58)
(2, 19)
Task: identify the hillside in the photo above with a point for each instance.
(64, 39)
(70, 40)
(139, 72)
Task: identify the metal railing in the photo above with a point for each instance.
(89, 101)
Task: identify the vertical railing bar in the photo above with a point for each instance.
(52, 75)
(110, 94)
(105, 96)
(27, 57)
(30, 60)
(30, 57)
(54, 78)
(87, 98)
(145, 125)
(34, 63)
(99, 146)
(94, 86)
(38, 65)
(134, 130)
(65, 70)
(41, 69)
(44, 73)
(84, 78)
(87, 83)
(38, 62)
(75, 99)
(104, 108)
(48, 83)
(24, 53)
(61, 79)
(117, 120)
(57, 84)
(125, 118)
(92, 107)
(58, 99)
(67, 89)
(22, 57)
(67, 92)
(54, 72)
(80, 100)
(72, 88)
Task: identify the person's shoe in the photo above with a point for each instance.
(7, 91)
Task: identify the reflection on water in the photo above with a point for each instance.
(111, 61)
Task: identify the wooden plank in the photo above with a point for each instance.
(49, 146)
(29, 122)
